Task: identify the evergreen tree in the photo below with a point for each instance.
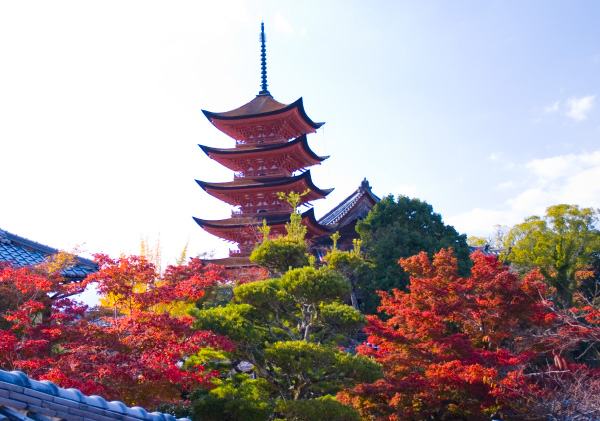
(399, 229)
(292, 330)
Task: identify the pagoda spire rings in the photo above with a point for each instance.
(263, 60)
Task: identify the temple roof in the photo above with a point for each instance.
(20, 251)
(259, 149)
(25, 399)
(231, 262)
(308, 219)
(263, 105)
(350, 205)
(262, 109)
(297, 150)
(487, 250)
(265, 184)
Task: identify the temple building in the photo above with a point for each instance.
(272, 156)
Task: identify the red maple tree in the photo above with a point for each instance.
(448, 343)
(133, 351)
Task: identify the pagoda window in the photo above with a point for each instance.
(261, 211)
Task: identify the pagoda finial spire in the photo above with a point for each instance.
(263, 60)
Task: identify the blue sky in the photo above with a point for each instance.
(486, 110)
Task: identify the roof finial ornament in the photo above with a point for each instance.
(263, 60)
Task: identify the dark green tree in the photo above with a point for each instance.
(292, 330)
(399, 229)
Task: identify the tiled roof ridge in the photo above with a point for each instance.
(344, 206)
(4, 237)
(9, 238)
(348, 205)
(19, 394)
(487, 250)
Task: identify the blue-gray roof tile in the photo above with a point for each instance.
(20, 252)
(45, 399)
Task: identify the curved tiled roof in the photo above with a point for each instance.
(262, 106)
(487, 250)
(271, 219)
(264, 182)
(20, 252)
(24, 399)
(341, 210)
(259, 149)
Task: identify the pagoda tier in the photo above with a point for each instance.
(280, 159)
(261, 194)
(244, 229)
(264, 120)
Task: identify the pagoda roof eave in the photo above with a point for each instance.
(300, 140)
(222, 225)
(230, 262)
(234, 223)
(263, 183)
(243, 113)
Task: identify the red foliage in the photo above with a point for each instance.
(449, 341)
(134, 356)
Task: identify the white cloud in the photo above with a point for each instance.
(506, 185)
(578, 108)
(480, 221)
(552, 108)
(281, 24)
(303, 31)
(495, 156)
(571, 179)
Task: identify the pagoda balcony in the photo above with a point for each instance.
(263, 173)
(239, 253)
(260, 138)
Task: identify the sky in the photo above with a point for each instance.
(489, 111)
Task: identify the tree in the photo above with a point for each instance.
(288, 329)
(283, 252)
(447, 345)
(494, 241)
(292, 330)
(132, 352)
(560, 244)
(401, 229)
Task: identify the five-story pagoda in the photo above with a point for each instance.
(271, 156)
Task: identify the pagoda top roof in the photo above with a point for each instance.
(262, 109)
(335, 215)
(20, 251)
(263, 105)
(263, 182)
